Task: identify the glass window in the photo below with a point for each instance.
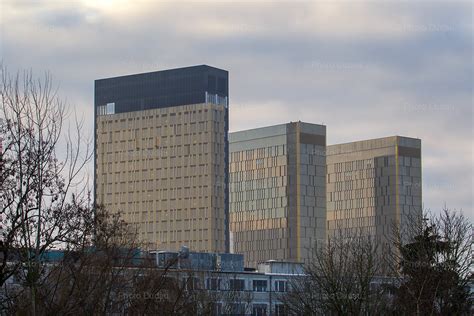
(259, 310)
(237, 285)
(110, 108)
(280, 286)
(193, 284)
(216, 309)
(213, 284)
(280, 310)
(237, 309)
(259, 285)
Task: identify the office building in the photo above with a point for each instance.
(236, 290)
(277, 191)
(373, 185)
(161, 155)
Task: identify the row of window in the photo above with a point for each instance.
(259, 163)
(107, 109)
(257, 194)
(260, 214)
(119, 163)
(352, 222)
(262, 204)
(236, 284)
(175, 237)
(262, 248)
(251, 154)
(357, 165)
(148, 127)
(365, 212)
(128, 173)
(353, 175)
(359, 184)
(161, 189)
(255, 309)
(364, 192)
(162, 116)
(357, 203)
(134, 131)
(267, 183)
(172, 220)
(350, 230)
(216, 99)
(247, 238)
(262, 174)
(121, 173)
(163, 145)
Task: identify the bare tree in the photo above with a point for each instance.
(89, 275)
(42, 205)
(109, 274)
(339, 280)
(172, 291)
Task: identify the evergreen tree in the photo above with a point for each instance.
(435, 268)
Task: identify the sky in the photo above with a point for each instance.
(365, 69)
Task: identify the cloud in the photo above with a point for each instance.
(365, 69)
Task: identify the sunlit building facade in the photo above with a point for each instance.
(277, 191)
(161, 155)
(373, 186)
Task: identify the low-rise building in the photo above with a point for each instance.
(235, 290)
(220, 280)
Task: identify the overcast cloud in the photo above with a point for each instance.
(365, 69)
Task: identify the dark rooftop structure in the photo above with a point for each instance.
(160, 89)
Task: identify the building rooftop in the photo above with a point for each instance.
(160, 89)
(275, 130)
(377, 143)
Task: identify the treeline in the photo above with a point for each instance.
(423, 268)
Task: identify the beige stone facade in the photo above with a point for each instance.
(163, 169)
(277, 191)
(373, 185)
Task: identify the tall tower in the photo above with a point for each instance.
(161, 155)
(373, 185)
(277, 191)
